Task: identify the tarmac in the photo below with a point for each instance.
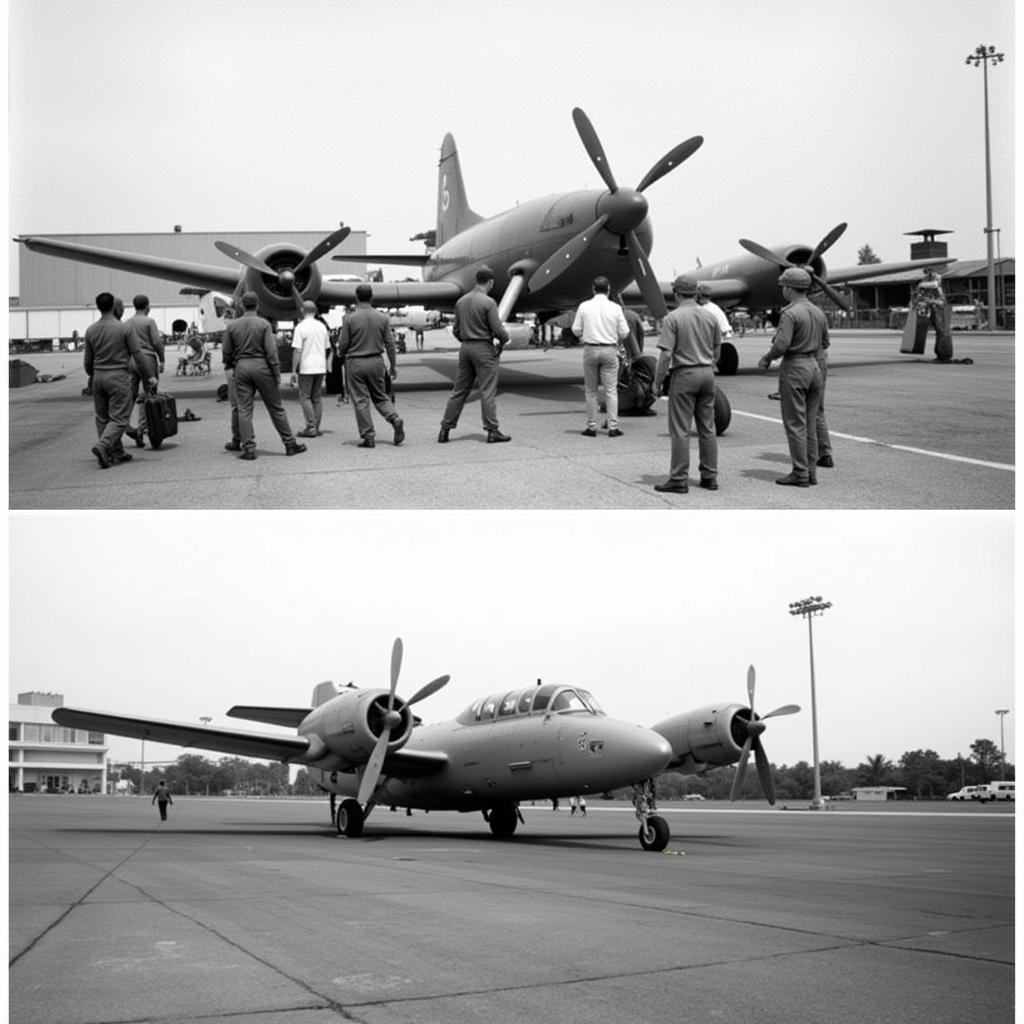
(255, 910)
(908, 433)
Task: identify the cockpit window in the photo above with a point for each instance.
(508, 704)
(588, 699)
(533, 700)
(524, 701)
(489, 706)
(568, 700)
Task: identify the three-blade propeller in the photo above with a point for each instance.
(621, 211)
(285, 277)
(392, 720)
(755, 727)
(826, 243)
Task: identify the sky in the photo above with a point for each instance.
(170, 616)
(254, 115)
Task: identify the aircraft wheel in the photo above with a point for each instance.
(654, 834)
(503, 820)
(728, 359)
(350, 819)
(723, 412)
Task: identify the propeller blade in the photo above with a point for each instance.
(831, 293)
(671, 160)
(565, 257)
(592, 144)
(371, 773)
(245, 258)
(828, 241)
(322, 248)
(786, 709)
(764, 772)
(425, 691)
(297, 299)
(751, 683)
(741, 769)
(765, 254)
(645, 279)
(396, 667)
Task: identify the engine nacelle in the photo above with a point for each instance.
(277, 300)
(706, 738)
(344, 730)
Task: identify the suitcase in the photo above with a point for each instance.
(161, 417)
(915, 333)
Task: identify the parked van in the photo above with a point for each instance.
(998, 791)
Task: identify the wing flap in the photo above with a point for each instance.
(181, 734)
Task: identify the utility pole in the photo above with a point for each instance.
(206, 720)
(1002, 713)
(982, 55)
(808, 608)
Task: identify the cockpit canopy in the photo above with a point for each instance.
(534, 700)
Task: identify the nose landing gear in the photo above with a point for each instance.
(654, 832)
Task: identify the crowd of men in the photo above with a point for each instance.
(122, 357)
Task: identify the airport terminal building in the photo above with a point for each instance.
(44, 757)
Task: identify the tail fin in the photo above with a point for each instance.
(453, 212)
(323, 692)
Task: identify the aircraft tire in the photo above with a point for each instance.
(350, 819)
(654, 834)
(728, 359)
(503, 820)
(723, 412)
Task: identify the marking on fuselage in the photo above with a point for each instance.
(894, 447)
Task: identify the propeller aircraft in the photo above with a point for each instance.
(534, 743)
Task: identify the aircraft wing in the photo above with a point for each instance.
(864, 270)
(442, 294)
(723, 289)
(290, 718)
(180, 734)
(197, 275)
(394, 260)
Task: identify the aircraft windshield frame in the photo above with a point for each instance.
(531, 701)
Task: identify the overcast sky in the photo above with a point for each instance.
(172, 616)
(129, 116)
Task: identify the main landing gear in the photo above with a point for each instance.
(654, 832)
(349, 819)
(503, 819)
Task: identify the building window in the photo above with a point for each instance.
(96, 738)
(12, 731)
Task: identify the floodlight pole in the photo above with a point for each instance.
(1002, 713)
(982, 55)
(808, 608)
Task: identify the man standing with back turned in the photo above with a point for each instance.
(151, 341)
(476, 326)
(251, 351)
(309, 347)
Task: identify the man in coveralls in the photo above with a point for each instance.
(250, 350)
(802, 331)
(151, 341)
(109, 349)
(476, 326)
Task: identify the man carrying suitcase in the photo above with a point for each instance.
(109, 348)
(251, 351)
(151, 341)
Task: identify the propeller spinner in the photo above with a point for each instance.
(755, 727)
(826, 243)
(621, 211)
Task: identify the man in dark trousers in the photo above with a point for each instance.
(690, 343)
(162, 797)
(143, 327)
(802, 331)
(251, 351)
(109, 348)
(365, 336)
(477, 325)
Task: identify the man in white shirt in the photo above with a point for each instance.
(704, 299)
(309, 364)
(601, 325)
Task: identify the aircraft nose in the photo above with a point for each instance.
(649, 752)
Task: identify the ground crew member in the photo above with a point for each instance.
(365, 336)
(930, 304)
(477, 325)
(689, 346)
(109, 349)
(801, 332)
(309, 344)
(162, 797)
(251, 351)
(151, 341)
(824, 438)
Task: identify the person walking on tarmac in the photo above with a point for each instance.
(251, 351)
(929, 303)
(309, 365)
(151, 341)
(365, 336)
(162, 797)
(477, 325)
(801, 332)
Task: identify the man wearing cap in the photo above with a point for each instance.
(309, 365)
(690, 343)
(799, 337)
(600, 324)
(365, 336)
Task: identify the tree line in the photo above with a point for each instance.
(924, 774)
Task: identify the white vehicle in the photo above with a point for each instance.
(997, 791)
(968, 793)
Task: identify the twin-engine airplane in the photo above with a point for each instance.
(545, 254)
(535, 743)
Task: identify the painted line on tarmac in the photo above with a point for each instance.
(892, 447)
